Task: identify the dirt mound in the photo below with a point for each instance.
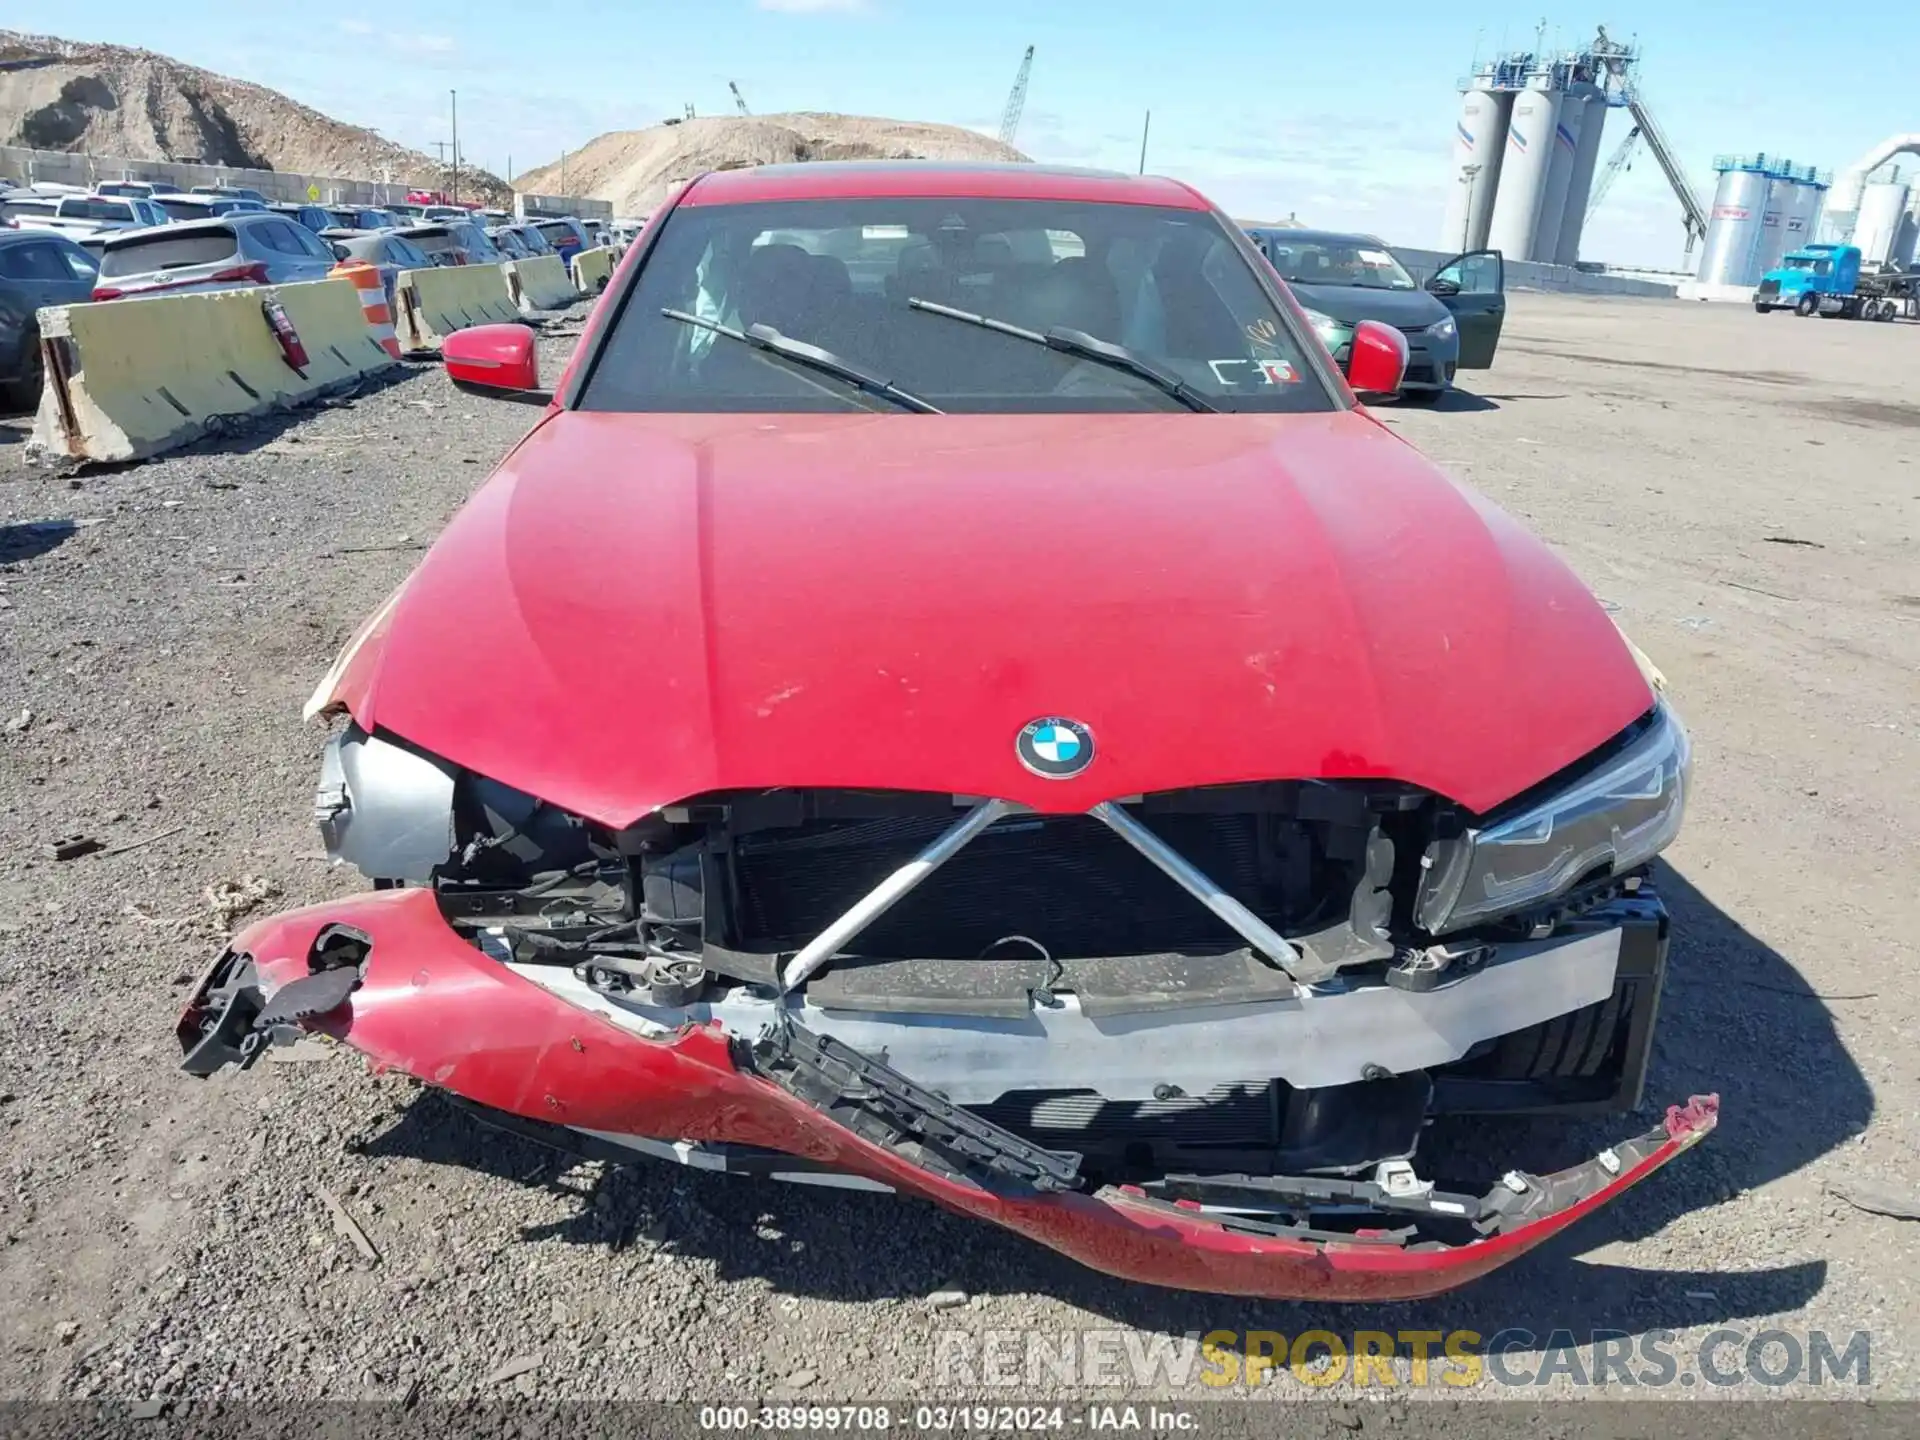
(109, 100)
(634, 169)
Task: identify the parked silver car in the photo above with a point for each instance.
(251, 247)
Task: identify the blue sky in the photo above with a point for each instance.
(1341, 114)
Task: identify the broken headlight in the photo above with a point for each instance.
(1607, 819)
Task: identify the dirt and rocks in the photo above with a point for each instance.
(1744, 490)
(112, 100)
(635, 169)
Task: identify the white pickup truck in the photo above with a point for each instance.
(76, 216)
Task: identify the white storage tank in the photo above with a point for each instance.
(1733, 225)
(1802, 213)
(1878, 226)
(1523, 171)
(1479, 139)
(1781, 199)
(1566, 156)
(1573, 220)
(1905, 244)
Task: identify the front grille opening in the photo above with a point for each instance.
(1065, 882)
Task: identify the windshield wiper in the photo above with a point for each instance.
(765, 337)
(1087, 347)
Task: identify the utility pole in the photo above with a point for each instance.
(453, 98)
(1145, 126)
(563, 169)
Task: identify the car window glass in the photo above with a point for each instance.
(83, 265)
(1355, 262)
(1170, 285)
(85, 208)
(162, 250)
(311, 243)
(1477, 274)
(34, 260)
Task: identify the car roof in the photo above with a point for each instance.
(20, 237)
(936, 179)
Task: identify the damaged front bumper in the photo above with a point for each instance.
(385, 973)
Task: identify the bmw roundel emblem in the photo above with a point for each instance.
(1055, 748)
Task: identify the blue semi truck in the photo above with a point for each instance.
(1829, 280)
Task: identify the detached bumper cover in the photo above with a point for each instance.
(430, 1004)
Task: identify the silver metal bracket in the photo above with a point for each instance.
(1189, 877)
(891, 891)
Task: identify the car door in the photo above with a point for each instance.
(1473, 287)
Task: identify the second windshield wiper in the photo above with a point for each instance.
(765, 337)
(1078, 342)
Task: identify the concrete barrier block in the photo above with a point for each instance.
(592, 269)
(129, 379)
(543, 283)
(438, 301)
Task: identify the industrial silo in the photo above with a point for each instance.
(1905, 242)
(1733, 225)
(1573, 219)
(1566, 155)
(1523, 172)
(1782, 196)
(1802, 211)
(1479, 138)
(1878, 226)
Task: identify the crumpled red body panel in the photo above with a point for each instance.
(436, 1007)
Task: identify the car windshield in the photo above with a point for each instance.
(1354, 261)
(1170, 286)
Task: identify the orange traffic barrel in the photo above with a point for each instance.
(373, 301)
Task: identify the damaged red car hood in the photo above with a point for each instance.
(640, 608)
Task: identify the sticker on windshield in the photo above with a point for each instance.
(1253, 372)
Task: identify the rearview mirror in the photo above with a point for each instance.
(494, 359)
(1438, 286)
(1377, 363)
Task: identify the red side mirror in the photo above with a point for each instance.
(1378, 361)
(492, 357)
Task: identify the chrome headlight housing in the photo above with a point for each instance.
(1334, 334)
(1443, 328)
(1609, 818)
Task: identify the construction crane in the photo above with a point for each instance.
(1622, 160)
(1016, 100)
(739, 100)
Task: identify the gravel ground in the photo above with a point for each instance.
(1742, 489)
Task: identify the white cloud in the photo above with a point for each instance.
(814, 7)
(423, 44)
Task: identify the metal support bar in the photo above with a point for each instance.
(890, 891)
(1189, 877)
